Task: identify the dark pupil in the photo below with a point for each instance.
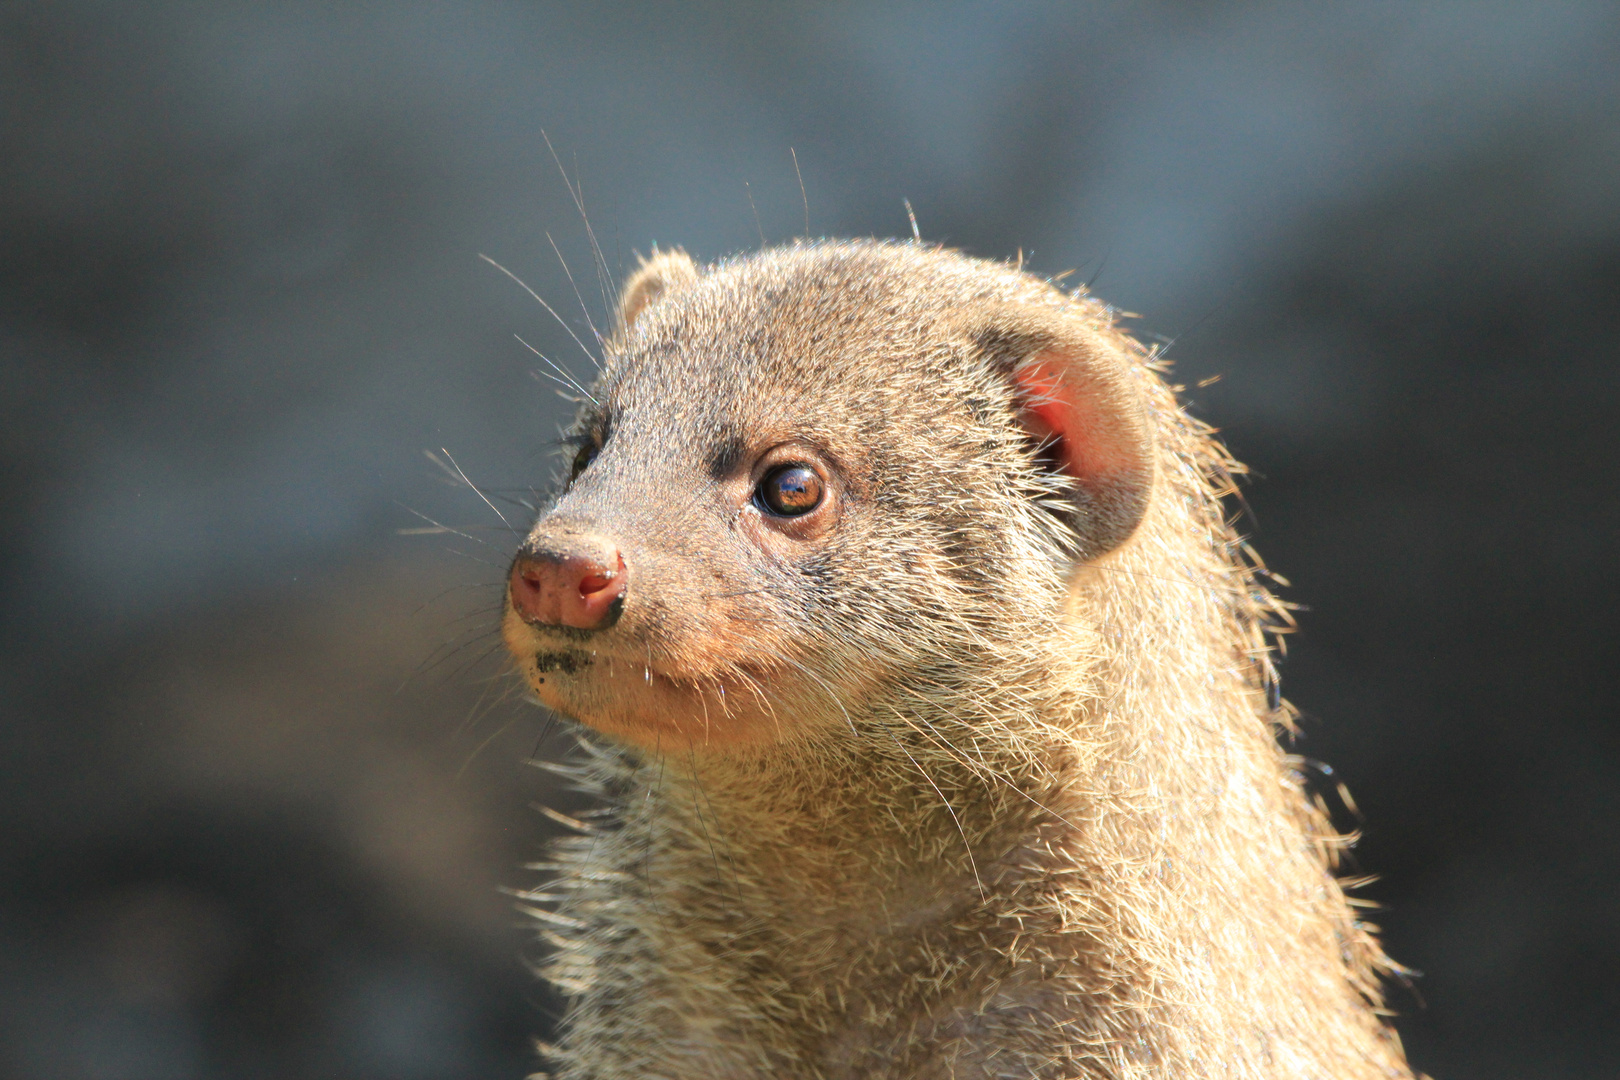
(586, 455)
(791, 490)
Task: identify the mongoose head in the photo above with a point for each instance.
(816, 479)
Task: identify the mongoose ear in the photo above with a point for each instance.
(659, 274)
(1084, 410)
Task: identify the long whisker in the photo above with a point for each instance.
(458, 673)
(763, 698)
(831, 693)
(755, 209)
(563, 388)
(697, 787)
(541, 301)
(551, 722)
(646, 851)
(802, 193)
(441, 525)
(434, 599)
(485, 705)
(570, 382)
(440, 654)
(474, 486)
(574, 192)
(595, 333)
(474, 558)
(481, 747)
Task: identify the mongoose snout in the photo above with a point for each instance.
(664, 593)
(569, 580)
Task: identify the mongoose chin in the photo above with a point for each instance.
(932, 692)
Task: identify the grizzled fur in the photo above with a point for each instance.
(976, 775)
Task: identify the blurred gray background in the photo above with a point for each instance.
(261, 775)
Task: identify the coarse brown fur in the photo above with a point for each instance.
(975, 775)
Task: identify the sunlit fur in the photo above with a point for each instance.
(1023, 812)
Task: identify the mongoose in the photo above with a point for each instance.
(932, 691)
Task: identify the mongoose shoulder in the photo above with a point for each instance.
(932, 689)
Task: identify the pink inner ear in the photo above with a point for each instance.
(1086, 438)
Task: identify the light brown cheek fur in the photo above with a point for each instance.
(719, 634)
(640, 704)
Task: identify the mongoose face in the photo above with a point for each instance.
(814, 479)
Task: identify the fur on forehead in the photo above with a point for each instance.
(850, 317)
(836, 283)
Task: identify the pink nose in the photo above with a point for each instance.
(585, 592)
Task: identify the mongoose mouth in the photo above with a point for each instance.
(639, 702)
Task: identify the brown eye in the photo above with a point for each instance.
(789, 491)
(582, 460)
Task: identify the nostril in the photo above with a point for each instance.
(597, 578)
(581, 590)
(528, 587)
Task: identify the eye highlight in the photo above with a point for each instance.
(789, 491)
